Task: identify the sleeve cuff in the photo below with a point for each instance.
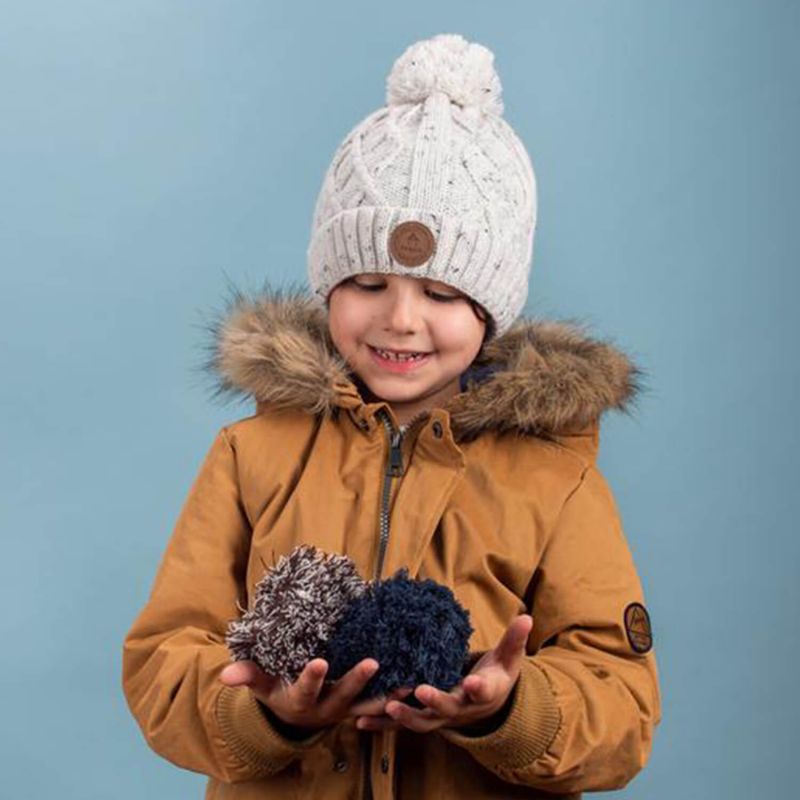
(249, 734)
(531, 725)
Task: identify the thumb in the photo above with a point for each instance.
(511, 648)
(242, 673)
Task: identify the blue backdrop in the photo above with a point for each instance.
(149, 149)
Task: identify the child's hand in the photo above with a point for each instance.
(300, 704)
(479, 695)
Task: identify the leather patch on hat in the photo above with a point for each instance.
(638, 628)
(411, 243)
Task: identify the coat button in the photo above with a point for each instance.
(341, 765)
(437, 429)
(385, 764)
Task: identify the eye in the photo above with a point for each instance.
(443, 298)
(370, 287)
(377, 287)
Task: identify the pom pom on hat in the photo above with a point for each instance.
(297, 604)
(448, 63)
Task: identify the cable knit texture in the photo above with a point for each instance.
(440, 153)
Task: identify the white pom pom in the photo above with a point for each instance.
(448, 63)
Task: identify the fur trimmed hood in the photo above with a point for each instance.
(541, 378)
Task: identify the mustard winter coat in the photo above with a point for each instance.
(496, 494)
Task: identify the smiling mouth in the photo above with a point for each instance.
(400, 358)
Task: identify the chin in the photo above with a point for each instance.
(389, 389)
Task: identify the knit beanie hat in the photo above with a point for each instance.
(434, 184)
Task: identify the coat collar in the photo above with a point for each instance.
(539, 378)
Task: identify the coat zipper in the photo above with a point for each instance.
(393, 469)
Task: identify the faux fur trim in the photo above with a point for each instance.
(545, 378)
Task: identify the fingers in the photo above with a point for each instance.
(445, 704)
(402, 716)
(511, 648)
(478, 689)
(422, 721)
(347, 688)
(235, 674)
(247, 673)
(491, 674)
(375, 705)
(370, 714)
(307, 687)
(440, 708)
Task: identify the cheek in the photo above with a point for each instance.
(460, 334)
(345, 322)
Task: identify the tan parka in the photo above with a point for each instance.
(497, 495)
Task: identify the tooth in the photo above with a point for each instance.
(399, 356)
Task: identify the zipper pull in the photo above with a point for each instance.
(395, 466)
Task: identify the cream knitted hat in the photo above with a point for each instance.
(434, 184)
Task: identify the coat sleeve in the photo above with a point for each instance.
(584, 709)
(175, 650)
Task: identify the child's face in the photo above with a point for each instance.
(397, 312)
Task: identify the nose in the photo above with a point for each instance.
(402, 310)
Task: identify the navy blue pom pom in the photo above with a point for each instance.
(416, 630)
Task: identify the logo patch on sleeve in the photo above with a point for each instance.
(638, 628)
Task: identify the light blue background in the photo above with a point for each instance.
(150, 149)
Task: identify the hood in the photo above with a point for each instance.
(539, 378)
